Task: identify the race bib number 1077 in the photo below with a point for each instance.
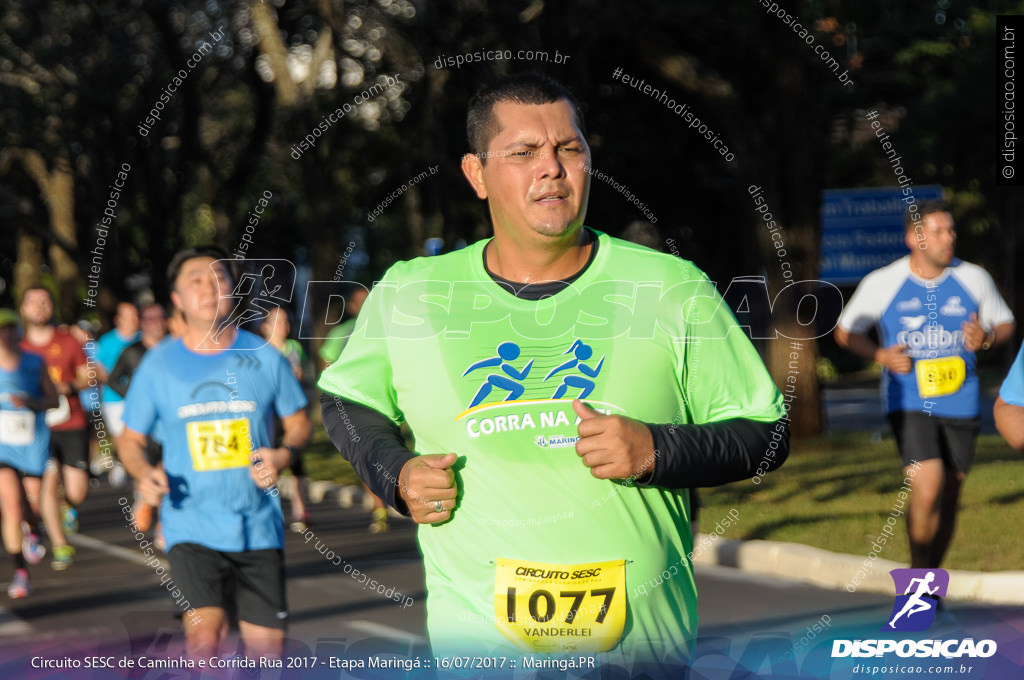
(549, 608)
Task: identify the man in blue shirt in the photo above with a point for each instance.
(1009, 408)
(933, 313)
(213, 398)
(109, 347)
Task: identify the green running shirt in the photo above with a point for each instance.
(476, 371)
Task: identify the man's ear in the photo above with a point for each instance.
(176, 300)
(473, 169)
(910, 238)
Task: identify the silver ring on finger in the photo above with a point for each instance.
(438, 507)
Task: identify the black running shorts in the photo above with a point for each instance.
(253, 581)
(920, 436)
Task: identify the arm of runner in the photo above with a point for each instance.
(121, 373)
(428, 487)
(1010, 423)
(978, 337)
(131, 450)
(893, 357)
(614, 447)
(82, 367)
(371, 442)
(712, 454)
(678, 456)
(268, 462)
(48, 400)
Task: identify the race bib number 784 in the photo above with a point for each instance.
(219, 444)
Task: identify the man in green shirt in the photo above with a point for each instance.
(565, 389)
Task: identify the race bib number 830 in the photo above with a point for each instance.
(940, 377)
(550, 608)
(219, 444)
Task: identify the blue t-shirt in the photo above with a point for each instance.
(90, 396)
(925, 315)
(213, 409)
(110, 345)
(1012, 390)
(24, 437)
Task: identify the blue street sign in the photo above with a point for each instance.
(862, 229)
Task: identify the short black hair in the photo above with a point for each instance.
(520, 88)
(36, 287)
(928, 207)
(183, 256)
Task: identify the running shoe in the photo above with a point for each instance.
(380, 521)
(63, 557)
(143, 513)
(32, 549)
(117, 476)
(21, 586)
(69, 519)
(97, 465)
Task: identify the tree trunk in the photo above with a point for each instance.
(60, 197)
(29, 264)
(57, 188)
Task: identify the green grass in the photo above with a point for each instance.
(835, 493)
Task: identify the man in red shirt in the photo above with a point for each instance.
(69, 441)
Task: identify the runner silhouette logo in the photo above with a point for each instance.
(916, 590)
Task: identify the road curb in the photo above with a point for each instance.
(839, 571)
(816, 566)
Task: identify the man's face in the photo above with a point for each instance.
(154, 322)
(127, 319)
(197, 291)
(939, 237)
(533, 177)
(37, 308)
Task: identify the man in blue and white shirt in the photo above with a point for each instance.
(933, 313)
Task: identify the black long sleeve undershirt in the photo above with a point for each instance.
(370, 442)
(687, 455)
(713, 454)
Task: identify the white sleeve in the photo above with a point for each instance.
(872, 297)
(860, 313)
(992, 309)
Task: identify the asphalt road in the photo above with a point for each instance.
(861, 409)
(112, 603)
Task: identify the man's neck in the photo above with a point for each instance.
(533, 260)
(201, 339)
(39, 335)
(924, 269)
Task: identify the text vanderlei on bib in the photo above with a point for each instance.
(549, 608)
